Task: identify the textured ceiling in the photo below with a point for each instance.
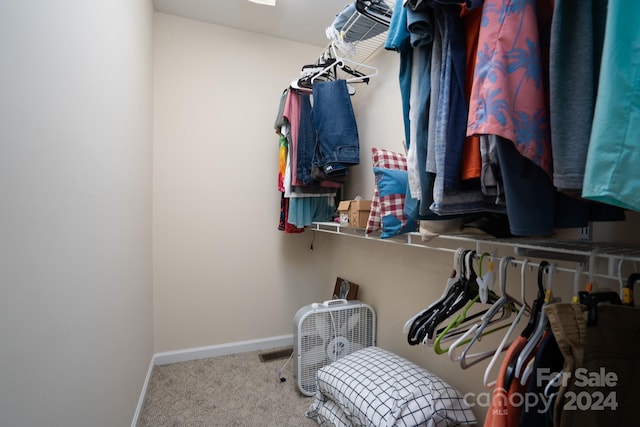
(302, 21)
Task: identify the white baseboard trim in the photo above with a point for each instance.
(185, 355)
(164, 358)
(136, 415)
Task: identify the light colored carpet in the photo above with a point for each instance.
(236, 390)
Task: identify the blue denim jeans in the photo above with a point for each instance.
(306, 142)
(337, 145)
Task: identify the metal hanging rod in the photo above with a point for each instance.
(580, 252)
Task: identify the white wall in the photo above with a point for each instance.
(75, 211)
(222, 270)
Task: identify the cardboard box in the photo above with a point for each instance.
(354, 213)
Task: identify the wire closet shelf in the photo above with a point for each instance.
(588, 253)
(360, 39)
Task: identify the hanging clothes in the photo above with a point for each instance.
(502, 413)
(471, 167)
(575, 53)
(611, 173)
(337, 146)
(549, 357)
(508, 94)
(398, 40)
(604, 347)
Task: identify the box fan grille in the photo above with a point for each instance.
(325, 332)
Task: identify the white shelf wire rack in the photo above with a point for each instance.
(363, 48)
(605, 257)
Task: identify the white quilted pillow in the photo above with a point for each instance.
(373, 387)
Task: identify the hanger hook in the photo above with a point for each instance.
(504, 263)
(525, 263)
(457, 256)
(548, 293)
(541, 269)
(551, 268)
(576, 283)
(592, 268)
(481, 260)
(620, 280)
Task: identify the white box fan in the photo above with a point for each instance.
(325, 332)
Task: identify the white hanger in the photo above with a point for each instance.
(620, 279)
(501, 347)
(485, 282)
(535, 337)
(576, 284)
(592, 267)
(467, 360)
(340, 61)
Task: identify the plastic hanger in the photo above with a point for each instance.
(485, 281)
(576, 284)
(485, 293)
(503, 344)
(421, 324)
(413, 325)
(342, 62)
(628, 297)
(467, 360)
(418, 329)
(537, 303)
(474, 334)
(592, 266)
(457, 321)
(531, 325)
(450, 281)
(466, 292)
(462, 324)
(538, 333)
(621, 282)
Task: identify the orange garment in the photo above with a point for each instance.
(471, 158)
(501, 413)
(282, 166)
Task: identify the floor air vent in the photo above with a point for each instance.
(276, 354)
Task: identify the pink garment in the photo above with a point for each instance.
(292, 114)
(508, 94)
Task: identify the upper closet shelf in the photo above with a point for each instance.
(359, 31)
(580, 251)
